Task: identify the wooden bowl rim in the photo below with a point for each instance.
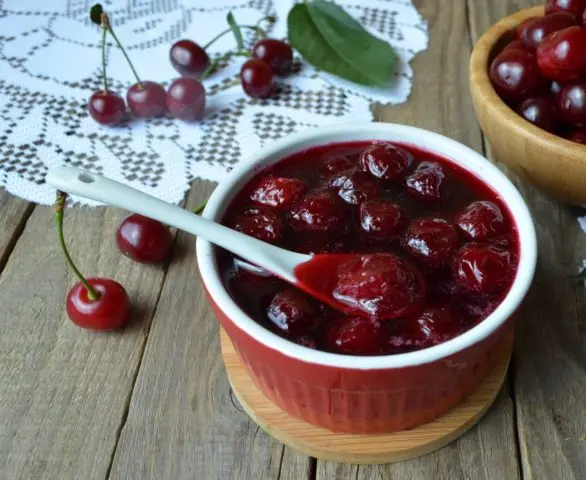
(480, 81)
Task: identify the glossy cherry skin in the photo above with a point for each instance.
(514, 75)
(109, 311)
(188, 58)
(578, 136)
(354, 187)
(107, 108)
(257, 78)
(186, 99)
(146, 99)
(481, 220)
(318, 211)
(533, 32)
(278, 192)
(431, 241)
(261, 223)
(337, 164)
(380, 219)
(561, 56)
(572, 104)
(426, 183)
(541, 112)
(306, 341)
(143, 239)
(385, 161)
(574, 7)
(516, 45)
(276, 54)
(292, 312)
(483, 268)
(355, 336)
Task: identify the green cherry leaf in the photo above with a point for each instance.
(96, 14)
(330, 39)
(236, 31)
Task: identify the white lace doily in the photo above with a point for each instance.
(50, 63)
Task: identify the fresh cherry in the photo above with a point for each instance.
(430, 327)
(260, 223)
(541, 112)
(292, 312)
(431, 240)
(385, 161)
(143, 239)
(107, 107)
(188, 58)
(482, 268)
(481, 220)
(532, 32)
(146, 99)
(276, 54)
(578, 136)
(555, 88)
(574, 7)
(561, 56)
(572, 104)
(278, 192)
(355, 336)
(426, 183)
(317, 211)
(354, 187)
(381, 219)
(186, 99)
(514, 75)
(516, 45)
(257, 78)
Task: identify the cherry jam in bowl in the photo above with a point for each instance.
(441, 232)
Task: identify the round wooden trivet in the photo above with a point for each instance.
(360, 448)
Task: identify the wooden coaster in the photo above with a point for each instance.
(361, 448)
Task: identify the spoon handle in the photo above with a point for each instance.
(95, 187)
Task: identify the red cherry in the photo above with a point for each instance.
(514, 75)
(561, 56)
(355, 336)
(481, 220)
(306, 341)
(256, 78)
(146, 99)
(278, 192)
(584, 18)
(515, 45)
(431, 240)
(426, 183)
(143, 239)
(578, 136)
(381, 219)
(483, 268)
(338, 163)
(107, 108)
(354, 187)
(385, 161)
(188, 58)
(186, 99)
(572, 104)
(276, 54)
(555, 88)
(111, 310)
(317, 211)
(381, 285)
(575, 7)
(260, 223)
(292, 312)
(532, 31)
(541, 112)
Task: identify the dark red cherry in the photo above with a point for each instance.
(111, 310)
(146, 99)
(107, 108)
(292, 312)
(426, 183)
(355, 336)
(481, 220)
(317, 211)
(578, 136)
(575, 7)
(533, 32)
(338, 163)
(188, 58)
(541, 112)
(561, 56)
(143, 239)
(381, 219)
(306, 341)
(431, 240)
(483, 268)
(276, 54)
(515, 45)
(555, 88)
(256, 78)
(260, 223)
(572, 104)
(380, 285)
(278, 192)
(385, 161)
(354, 187)
(514, 75)
(186, 99)
(584, 18)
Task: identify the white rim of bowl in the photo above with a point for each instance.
(458, 153)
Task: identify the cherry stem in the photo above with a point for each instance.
(92, 293)
(214, 65)
(107, 26)
(104, 60)
(200, 209)
(256, 28)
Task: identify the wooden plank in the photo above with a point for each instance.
(14, 213)
(550, 373)
(63, 390)
(183, 421)
(440, 102)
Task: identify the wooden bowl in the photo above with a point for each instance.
(551, 163)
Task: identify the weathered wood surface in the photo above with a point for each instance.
(14, 213)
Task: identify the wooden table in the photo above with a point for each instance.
(153, 401)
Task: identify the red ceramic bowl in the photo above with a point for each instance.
(378, 393)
